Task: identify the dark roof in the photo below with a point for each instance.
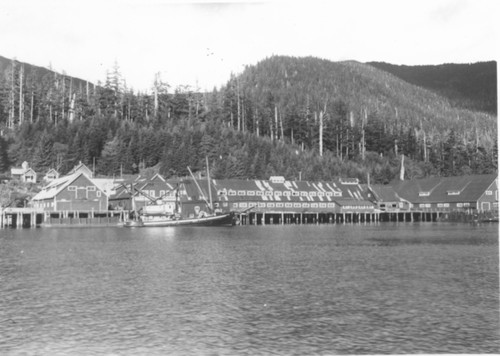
(444, 189)
(384, 193)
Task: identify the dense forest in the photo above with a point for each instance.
(298, 117)
(469, 86)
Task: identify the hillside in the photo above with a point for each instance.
(468, 86)
(35, 74)
(296, 117)
(298, 85)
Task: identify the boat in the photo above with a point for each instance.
(164, 214)
(226, 219)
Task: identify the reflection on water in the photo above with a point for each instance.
(293, 290)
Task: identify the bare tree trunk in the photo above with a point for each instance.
(31, 108)
(72, 108)
(276, 120)
(320, 131)
(238, 103)
(12, 96)
(21, 99)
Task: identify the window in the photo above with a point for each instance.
(260, 193)
(424, 194)
(262, 205)
(278, 193)
(489, 192)
(243, 205)
(268, 193)
(322, 205)
(279, 205)
(91, 189)
(312, 194)
(459, 205)
(270, 205)
(337, 194)
(321, 194)
(453, 192)
(250, 193)
(305, 205)
(296, 205)
(329, 194)
(303, 194)
(241, 192)
(331, 205)
(98, 194)
(72, 188)
(287, 193)
(288, 205)
(295, 194)
(314, 205)
(232, 192)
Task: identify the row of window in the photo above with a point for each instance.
(44, 205)
(299, 205)
(278, 193)
(73, 188)
(283, 205)
(443, 205)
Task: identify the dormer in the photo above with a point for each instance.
(424, 194)
(350, 181)
(453, 192)
(277, 179)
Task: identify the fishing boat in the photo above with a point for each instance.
(163, 214)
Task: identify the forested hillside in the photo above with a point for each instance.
(469, 86)
(296, 117)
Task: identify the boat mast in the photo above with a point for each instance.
(199, 188)
(209, 186)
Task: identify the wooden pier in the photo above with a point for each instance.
(31, 218)
(282, 218)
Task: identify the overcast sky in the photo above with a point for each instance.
(201, 42)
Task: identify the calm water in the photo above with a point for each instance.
(293, 290)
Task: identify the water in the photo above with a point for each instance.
(274, 290)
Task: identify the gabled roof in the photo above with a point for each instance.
(445, 189)
(52, 170)
(383, 193)
(56, 186)
(80, 167)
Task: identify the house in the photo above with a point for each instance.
(76, 192)
(51, 175)
(145, 191)
(24, 173)
(474, 193)
(82, 168)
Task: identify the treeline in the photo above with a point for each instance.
(300, 118)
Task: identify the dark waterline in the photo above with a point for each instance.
(282, 290)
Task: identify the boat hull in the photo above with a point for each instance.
(217, 220)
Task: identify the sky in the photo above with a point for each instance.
(200, 43)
